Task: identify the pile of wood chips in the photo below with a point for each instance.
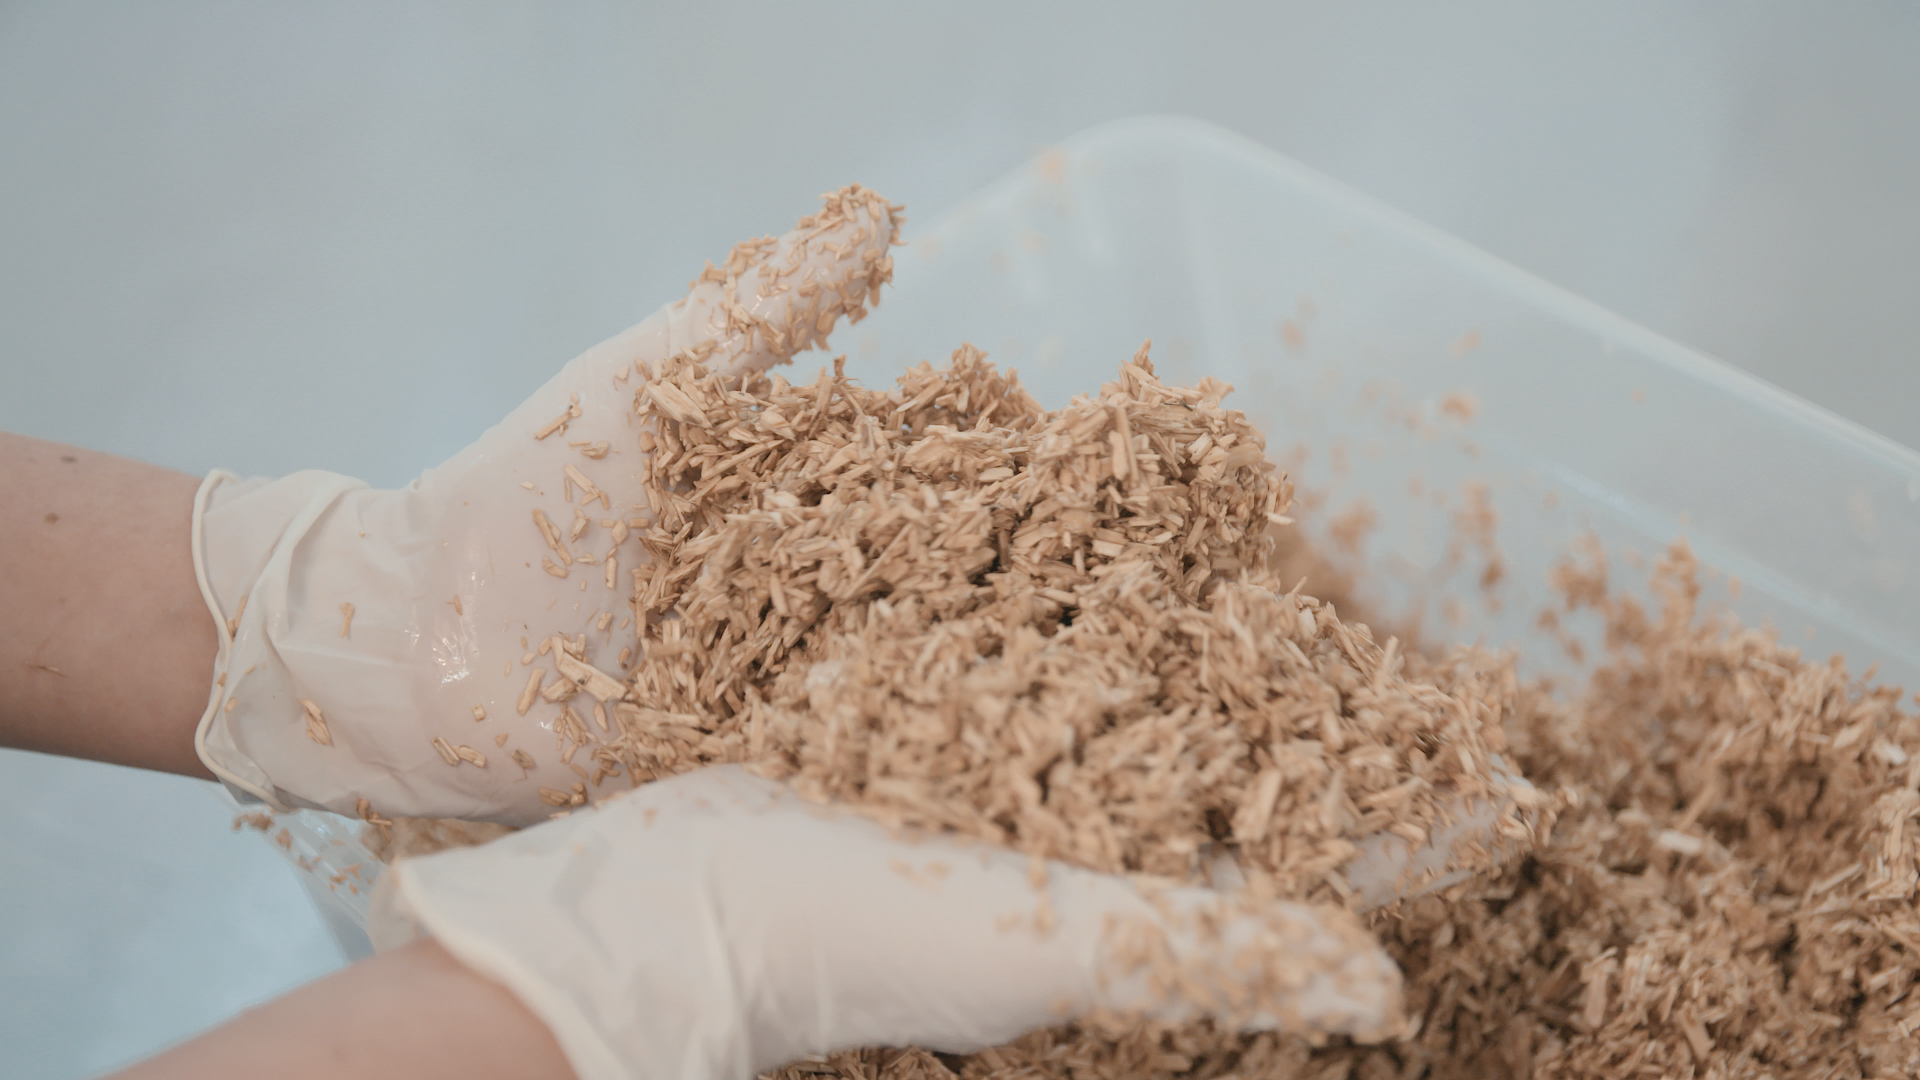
(1732, 894)
(1055, 631)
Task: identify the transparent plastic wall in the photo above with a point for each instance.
(1398, 369)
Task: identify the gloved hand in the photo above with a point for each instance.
(714, 925)
(373, 641)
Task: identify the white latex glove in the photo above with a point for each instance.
(450, 579)
(714, 925)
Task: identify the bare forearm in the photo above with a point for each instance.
(411, 1014)
(106, 647)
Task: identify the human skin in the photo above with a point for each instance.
(106, 647)
(414, 1013)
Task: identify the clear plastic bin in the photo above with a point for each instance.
(1359, 338)
(1345, 327)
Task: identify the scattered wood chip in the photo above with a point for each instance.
(316, 723)
(602, 686)
(530, 691)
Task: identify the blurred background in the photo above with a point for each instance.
(350, 236)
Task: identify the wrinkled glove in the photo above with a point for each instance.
(372, 641)
(714, 925)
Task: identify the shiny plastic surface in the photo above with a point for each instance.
(1399, 369)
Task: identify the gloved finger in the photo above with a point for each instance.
(772, 298)
(1476, 836)
(720, 911)
(1249, 962)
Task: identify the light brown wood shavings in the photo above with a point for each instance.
(588, 491)
(559, 423)
(1476, 523)
(551, 534)
(258, 820)
(408, 836)
(531, 690)
(316, 723)
(1461, 406)
(1057, 631)
(346, 619)
(378, 835)
(1732, 895)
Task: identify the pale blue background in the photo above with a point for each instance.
(349, 236)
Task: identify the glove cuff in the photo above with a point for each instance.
(244, 536)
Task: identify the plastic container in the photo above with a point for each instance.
(1359, 339)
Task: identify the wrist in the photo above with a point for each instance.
(414, 1013)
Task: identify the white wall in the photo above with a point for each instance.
(351, 235)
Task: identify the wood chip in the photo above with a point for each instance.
(530, 691)
(346, 619)
(551, 533)
(559, 423)
(602, 686)
(588, 492)
(559, 690)
(316, 723)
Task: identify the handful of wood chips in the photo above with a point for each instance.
(1066, 632)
